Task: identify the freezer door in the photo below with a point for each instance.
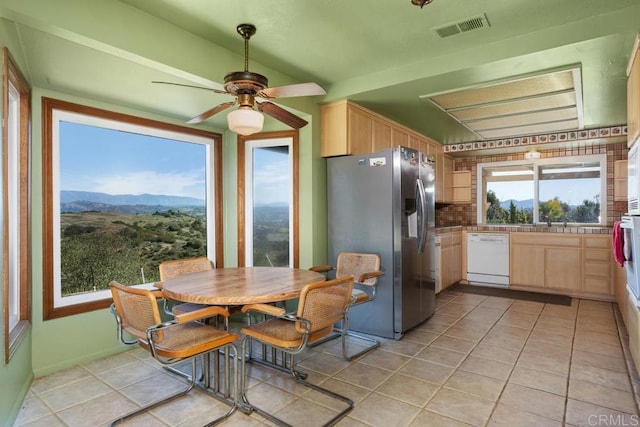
(427, 278)
(407, 290)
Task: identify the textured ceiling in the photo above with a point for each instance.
(382, 54)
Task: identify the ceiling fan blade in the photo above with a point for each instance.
(215, 110)
(195, 87)
(301, 89)
(281, 114)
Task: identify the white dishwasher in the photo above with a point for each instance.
(488, 258)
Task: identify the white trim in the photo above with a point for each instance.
(481, 189)
(261, 143)
(13, 208)
(66, 116)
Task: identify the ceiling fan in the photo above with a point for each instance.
(246, 86)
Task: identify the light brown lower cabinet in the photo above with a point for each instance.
(450, 259)
(525, 262)
(576, 264)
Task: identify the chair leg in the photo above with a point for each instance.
(343, 333)
(190, 386)
(162, 401)
(299, 377)
(374, 344)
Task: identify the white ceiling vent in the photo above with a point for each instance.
(467, 24)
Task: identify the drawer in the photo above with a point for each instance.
(450, 239)
(546, 239)
(603, 255)
(597, 285)
(603, 242)
(456, 238)
(598, 269)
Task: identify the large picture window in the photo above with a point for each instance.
(122, 195)
(555, 191)
(268, 176)
(16, 191)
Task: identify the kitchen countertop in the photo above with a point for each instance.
(526, 229)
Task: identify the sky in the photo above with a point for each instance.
(115, 162)
(269, 177)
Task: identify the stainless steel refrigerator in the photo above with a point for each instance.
(384, 203)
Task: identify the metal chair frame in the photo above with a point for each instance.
(307, 334)
(151, 345)
(359, 288)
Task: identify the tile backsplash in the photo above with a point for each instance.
(465, 213)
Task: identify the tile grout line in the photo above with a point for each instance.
(568, 382)
(495, 406)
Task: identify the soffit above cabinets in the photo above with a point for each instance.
(525, 105)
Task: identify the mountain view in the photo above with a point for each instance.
(555, 210)
(520, 204)
(106, 237)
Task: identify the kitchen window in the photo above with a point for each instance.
(122, 194)
(268, 219)
(16, 110)
(558, 191)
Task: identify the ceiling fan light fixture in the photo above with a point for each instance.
(420, 3)
(245, 121)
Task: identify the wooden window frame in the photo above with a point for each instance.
(48, 106)
(12, 74)
(242, 142)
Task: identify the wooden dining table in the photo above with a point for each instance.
(236, 287)
(240, 285)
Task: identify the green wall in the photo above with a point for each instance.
(15, 376)
(58, 344)
(92, 335)
(61, 343)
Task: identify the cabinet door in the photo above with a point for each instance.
(447, 166)
(620, 181)
(456, 266)
(399, 137)
(439, 170)
(451, 265)
(526, 265)
(563, 268)
(633, 97)
(381, 135)
(360, 131)
(461, 186)
(334, 129)
(414, 142)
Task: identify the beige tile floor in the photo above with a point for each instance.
(478, 361)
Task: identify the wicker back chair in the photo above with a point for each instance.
(365, 268)
(137, 313)
(177, 267)
(320, 306)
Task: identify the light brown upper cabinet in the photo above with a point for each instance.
(461, 183)
(348, 128)
(381, 135)
(620, 181)
(633, 95)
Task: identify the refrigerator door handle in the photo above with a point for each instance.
(421, 212)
